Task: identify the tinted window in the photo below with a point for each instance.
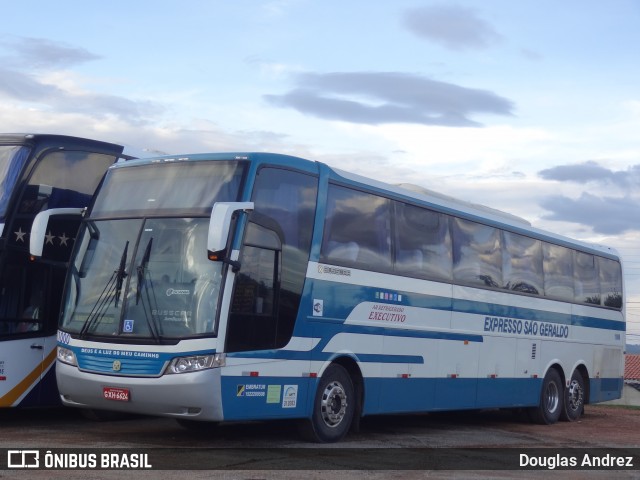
(477, 257)
(23, 298)
(423, 243)
(64, 179)
(558, 272)
(357, 229)
(610, 282)
(185, 188)
(587, 283)
(274, 260)
(522, 264)
(289, 198)
(12, 160)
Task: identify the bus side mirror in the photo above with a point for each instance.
(220, 224)
(41, 222)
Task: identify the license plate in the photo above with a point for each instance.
(115, 393)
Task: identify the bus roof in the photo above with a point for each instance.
(49, 140)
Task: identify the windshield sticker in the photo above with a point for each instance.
(128, 326)
(173, 291)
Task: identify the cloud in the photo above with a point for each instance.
(593, 172)
(376, 98)
(41, 58)
(452, 26)
(605, 214)
(42, 53)
(24, 88)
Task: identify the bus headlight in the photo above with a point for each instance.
(67, 356)
(196, 363)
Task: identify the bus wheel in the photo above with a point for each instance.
(333, 407)
(574, 398)
(551, 399)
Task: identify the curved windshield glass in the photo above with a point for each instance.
(139, 278)
(12, 159)
(180, 188)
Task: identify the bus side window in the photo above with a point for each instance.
(423, 243)
(610, 282)
(477, 254)
(587, 284)
(357, 229)
(558, 272)
(522, 264)
(22, 298)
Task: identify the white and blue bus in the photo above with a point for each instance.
(232, 287)
(49, 177)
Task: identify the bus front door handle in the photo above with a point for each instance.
(35, 346)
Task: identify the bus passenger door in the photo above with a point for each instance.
(27, 336)
(254, 312)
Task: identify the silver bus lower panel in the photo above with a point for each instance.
(194, 396)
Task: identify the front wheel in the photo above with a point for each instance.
(551, 399)
(333, 408)
(574, 398)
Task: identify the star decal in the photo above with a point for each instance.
(63, 239)
(49, 238)
(20, 235)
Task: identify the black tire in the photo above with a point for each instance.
(574, 398)
(333, 408)
(551, 400)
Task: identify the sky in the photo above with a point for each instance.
(531, 107)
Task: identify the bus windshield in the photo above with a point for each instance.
(179, 188)
(158, 283)
(12, 159)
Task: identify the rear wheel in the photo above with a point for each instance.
(333, 408)
(551, 399)
(574, 398)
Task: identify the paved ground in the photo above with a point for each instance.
(392, 437)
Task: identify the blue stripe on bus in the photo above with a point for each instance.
(316, 354)
(246, 398)
(344, 297)
(468, 306)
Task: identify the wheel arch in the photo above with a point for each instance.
(557, 366)
(581, 368)
(350, 364)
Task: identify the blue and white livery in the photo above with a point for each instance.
(225, 287)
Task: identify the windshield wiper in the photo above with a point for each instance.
(142, 284)
(121, 274)
(113, 287)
